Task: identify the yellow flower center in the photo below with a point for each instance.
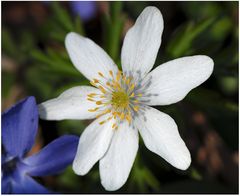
(117, 97)
(120, 99)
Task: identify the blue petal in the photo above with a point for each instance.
(17, 181)
(19, 127)
(28, 185)
(6, 185)
(53, 158)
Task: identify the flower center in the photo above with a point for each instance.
(118, 97)
(10, 165)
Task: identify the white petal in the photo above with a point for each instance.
(171, 81)
(142, 41)
(88, 57)
(71, 104)
(160, 135)
(93, 144)
(116, 165)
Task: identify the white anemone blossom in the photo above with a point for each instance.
(121, 101)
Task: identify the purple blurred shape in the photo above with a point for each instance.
(85, 9)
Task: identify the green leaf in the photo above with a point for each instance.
(8, 80)
(8, 44)
(221, 28)
(113, 26)
(142, 178)
(78, 26)
(62, 17)
(56, 62)
(229, 84)
(151, 180)
(197, 11)
(182, 40)
(195, 174)
(71, 126)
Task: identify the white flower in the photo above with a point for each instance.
(121, 100)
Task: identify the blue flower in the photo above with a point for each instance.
(19, 129)
(85, 9)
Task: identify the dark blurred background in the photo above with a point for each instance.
(35, 62)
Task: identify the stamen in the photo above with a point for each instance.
(118, 76)
(114, 113)
(100, 74)
(99, 115)
(132, 87)
(93, 110)
(129, 118)
(92, 95)
(132, 95)
(114, 125)
(95, 80)
(111, 73)
(102, 89)
(136, 101)
(128, 81)
(92, 83)
(136, 108)
(122, 116)
(109, 118)
(107, 111)
(104, 112)
(102, 122)
(99, 103)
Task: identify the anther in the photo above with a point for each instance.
(132, 95)
(114, 125)
(102, 122)
(100, 74)
(114, 115)
(99, 103)
(136, 108)
(92, 95)
(122, 116)
(102, 89)
(118, 114)
(129, 118)
(136, 101)
(118, 76)
(109, 118)
(93, 110)
(92, 83)
(132, 87)
(111, 73)
(95, 80)
(99, 115)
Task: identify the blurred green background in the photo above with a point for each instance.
(35, 62)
